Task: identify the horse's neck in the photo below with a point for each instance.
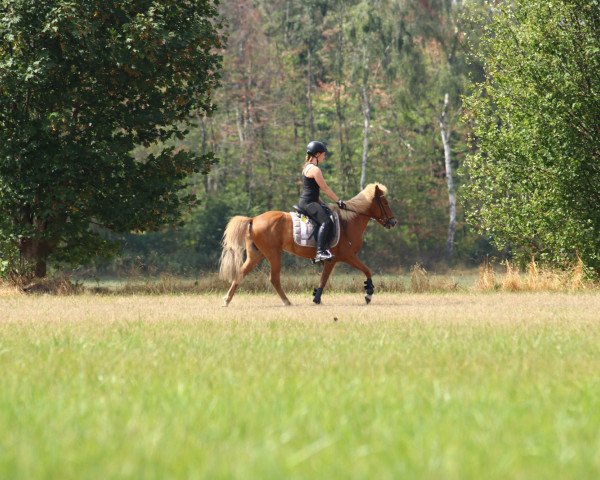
(357, 228)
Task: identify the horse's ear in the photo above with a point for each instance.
(378, 191)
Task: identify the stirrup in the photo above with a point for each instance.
(323, 256)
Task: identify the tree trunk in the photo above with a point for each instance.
(40, 268)
(345, 164)
(242, 126)
(445, 131)
(311, 117)
(217, 173)
(36, 252)
(366, 108)
(266, 152)
(203, 152)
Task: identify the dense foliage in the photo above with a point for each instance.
(81, 84)
(369, 78)
(95, 99)
(534, 181)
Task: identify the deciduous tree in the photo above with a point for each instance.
(534, 181)
(81, 84)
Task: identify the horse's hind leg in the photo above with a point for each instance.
(275, 260)
(369, 288)
(253, 257)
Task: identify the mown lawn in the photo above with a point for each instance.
(458, 385)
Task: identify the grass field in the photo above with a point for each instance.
(453, 386)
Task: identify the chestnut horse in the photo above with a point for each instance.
(270, 233)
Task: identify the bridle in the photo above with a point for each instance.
(384, 219)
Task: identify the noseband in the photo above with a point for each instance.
(383, 219)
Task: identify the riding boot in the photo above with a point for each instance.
(322, 236)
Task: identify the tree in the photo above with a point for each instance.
(293, 67)
(445, 133)
(534, 179)
(81, 84)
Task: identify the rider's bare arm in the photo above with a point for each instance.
(316, 173)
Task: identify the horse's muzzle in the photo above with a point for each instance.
(392, 222)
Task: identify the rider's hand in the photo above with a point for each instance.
(341, 204)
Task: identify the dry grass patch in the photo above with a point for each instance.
(9, 290)
(54, 285)
(533, 279)
(421, 282)
(507, 278)
(487, 278)
(256, 283)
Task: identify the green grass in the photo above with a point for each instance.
(412, 386)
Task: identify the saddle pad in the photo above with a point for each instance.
(302, 229)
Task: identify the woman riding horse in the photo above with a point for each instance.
(312, 182)
(270, 234)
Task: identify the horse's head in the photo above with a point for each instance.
(380, 209)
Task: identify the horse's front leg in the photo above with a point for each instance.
(369, 287)
(327, 269)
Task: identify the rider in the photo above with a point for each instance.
(313, 182)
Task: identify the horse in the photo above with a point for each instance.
(269, 234)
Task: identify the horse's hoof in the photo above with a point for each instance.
(287, 304)
(225, 302)
(369, 289)
(317, 292)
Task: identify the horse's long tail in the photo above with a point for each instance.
(234, 244)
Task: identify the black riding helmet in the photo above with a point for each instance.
(315, 147)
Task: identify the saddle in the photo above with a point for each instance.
(304, 228)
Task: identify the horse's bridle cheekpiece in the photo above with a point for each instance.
(384, 219)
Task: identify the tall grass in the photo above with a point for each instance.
(487, 277)
(533, 279)
(418, 281)
(505, 277)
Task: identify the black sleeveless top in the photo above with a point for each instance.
(310, 190)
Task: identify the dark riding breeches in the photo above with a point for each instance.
(316, 211)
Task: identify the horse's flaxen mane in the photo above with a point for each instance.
(360, 203)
